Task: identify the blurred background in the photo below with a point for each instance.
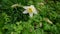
(13, 21)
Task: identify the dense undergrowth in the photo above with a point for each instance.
(13, 21)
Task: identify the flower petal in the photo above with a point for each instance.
(25, 12)
(34, 9)
(35, 12)
(31, 14)
(32, 6)
(25, 7)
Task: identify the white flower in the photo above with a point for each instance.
(30, 9)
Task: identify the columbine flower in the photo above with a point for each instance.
(30, 9)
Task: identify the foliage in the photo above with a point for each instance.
(13, 21)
